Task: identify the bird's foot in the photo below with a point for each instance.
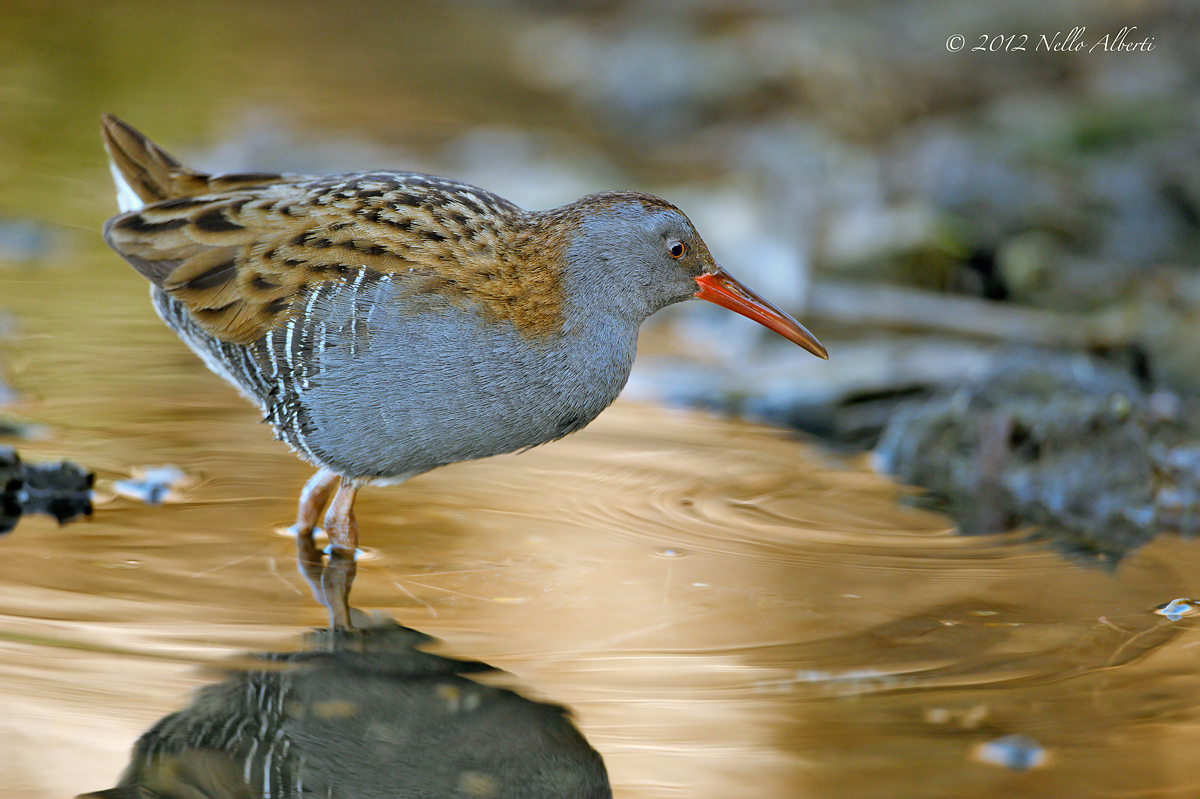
(329, 571)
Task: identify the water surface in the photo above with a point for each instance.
(726, 610)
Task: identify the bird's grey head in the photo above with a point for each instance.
(625, 255)
(632, 254)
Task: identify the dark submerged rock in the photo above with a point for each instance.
(1069, 445)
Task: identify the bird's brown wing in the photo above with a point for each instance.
(238, 260)
(240, 251)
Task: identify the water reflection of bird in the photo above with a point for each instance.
(389, 323)
(368, 715)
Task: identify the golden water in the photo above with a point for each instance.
(727, 611)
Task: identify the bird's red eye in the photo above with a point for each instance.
(676, 249)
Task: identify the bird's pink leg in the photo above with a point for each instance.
(320, 576)
(342, 529)
(313, 499)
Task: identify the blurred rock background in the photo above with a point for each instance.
(934, 216)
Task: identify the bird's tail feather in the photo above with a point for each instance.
(144, 172)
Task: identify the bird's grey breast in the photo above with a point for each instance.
(392, 381)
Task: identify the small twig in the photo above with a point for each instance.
(878, 304)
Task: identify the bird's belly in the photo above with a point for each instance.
(396, 393)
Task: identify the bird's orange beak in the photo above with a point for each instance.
(719, 287)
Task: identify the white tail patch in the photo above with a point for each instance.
(127, 199)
